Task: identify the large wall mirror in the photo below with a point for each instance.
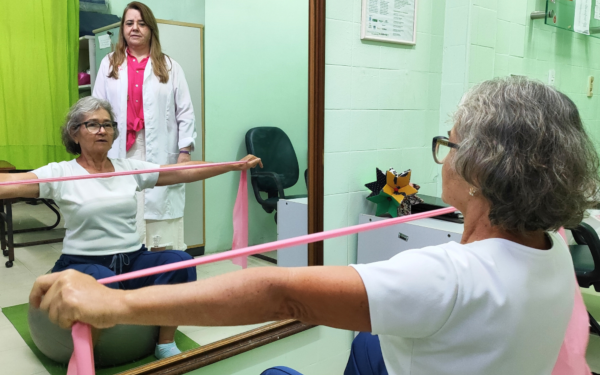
(256, 76)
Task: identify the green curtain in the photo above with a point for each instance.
(39, 48)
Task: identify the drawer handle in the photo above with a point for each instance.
(403, 236)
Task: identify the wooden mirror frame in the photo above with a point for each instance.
(226, 348)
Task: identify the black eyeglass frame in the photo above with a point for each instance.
(102, 125)
(444, 141)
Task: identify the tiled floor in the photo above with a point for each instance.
(31, 262)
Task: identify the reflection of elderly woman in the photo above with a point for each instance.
(518, 164)
(101, 238)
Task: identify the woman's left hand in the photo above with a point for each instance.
(251, 161)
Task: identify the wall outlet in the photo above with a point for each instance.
(551, 77)
(590, 86)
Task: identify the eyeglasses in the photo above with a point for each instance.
(441, 148)
(94, 127)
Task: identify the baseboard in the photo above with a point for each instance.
(265, 258)
(199, 251)
(196, 251)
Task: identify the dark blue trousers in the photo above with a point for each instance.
(365, 359)
(100, 267)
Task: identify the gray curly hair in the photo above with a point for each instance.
(523, 145)
(76, 116)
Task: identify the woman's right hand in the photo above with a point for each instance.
(70, 296)
(251, 161)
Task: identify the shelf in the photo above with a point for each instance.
(562, 14)
(84, 41)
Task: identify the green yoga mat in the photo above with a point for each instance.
(17, 315)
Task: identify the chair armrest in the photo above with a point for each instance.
(257, 192)
(272, 175)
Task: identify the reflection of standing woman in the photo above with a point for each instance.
(153, 108)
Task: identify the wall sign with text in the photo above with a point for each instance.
(392, 21)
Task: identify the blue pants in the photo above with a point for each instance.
(100, 267)
(365, 359)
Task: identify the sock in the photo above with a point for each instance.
(166, 350)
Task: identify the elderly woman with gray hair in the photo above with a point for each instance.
(517, 163)
(101, 238)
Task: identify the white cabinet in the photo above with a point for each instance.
(382, 244)
(292, 221)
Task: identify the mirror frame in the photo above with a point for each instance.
(226, 348)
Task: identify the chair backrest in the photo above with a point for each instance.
(586, 256)
(274, 147)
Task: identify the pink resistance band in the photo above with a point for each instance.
(115, 174)
(571, 359)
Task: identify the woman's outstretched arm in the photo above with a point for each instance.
(191, 175)
(19, 191)
(332, 296)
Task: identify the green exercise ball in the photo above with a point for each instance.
(112, 347)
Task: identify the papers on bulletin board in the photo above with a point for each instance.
(104, 41)
(389, 21)
(583, 10)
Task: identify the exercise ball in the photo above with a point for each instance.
(112, 346)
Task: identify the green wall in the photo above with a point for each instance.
(485, 39)
(509, 42)
(176, 10)
(385, 102)
(256, 74)
(382, 105)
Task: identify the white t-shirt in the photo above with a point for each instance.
(99, 213)
(491, 307)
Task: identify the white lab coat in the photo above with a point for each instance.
(169, 122)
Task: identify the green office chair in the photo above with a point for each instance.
(586, 260)
(280, 165)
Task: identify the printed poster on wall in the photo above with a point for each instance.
(389, 21)
(583, 9)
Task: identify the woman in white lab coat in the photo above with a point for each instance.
(151, 100)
